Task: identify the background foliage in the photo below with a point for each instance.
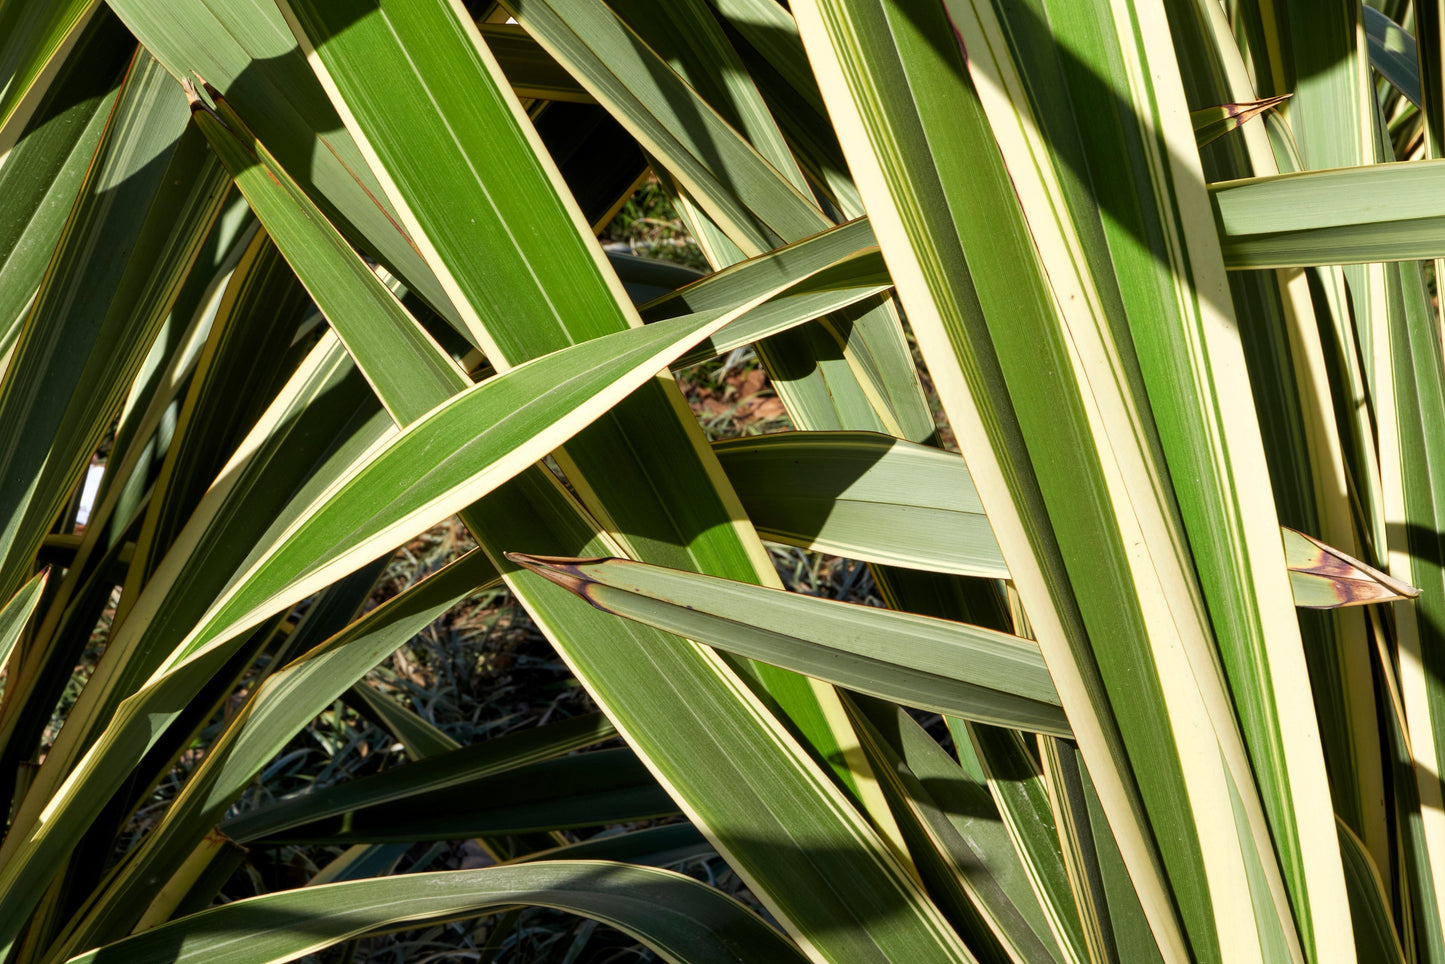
(960, 480)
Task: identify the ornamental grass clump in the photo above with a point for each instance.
(1103, 331)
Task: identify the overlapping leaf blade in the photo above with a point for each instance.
(929, 663)
(678, 916)
(495, 522)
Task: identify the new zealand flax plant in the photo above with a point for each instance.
(315, 275)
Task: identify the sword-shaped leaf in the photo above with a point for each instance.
(846, 266)
(1053, 284)
(666, 78)
(32, 34)
(779, 315)
(866, 497)
(980, 841)
(419, 738)
(885, 500)
(1393, 52)
(410, 481)
(732, 181)
(934, 664)
(16, 613)
(43, 172)
(667, 497)
(448, 771)
(148, 199)
(737, 282)
(1410, 378)
(246, 50)
(531, 282)
(399, 804)
(1375, 935)
(528, 67)
(1347, 215)
(653, 847)
(681, 918)
(443, 462)
(283, 705)
(849, 269)
(333, 274)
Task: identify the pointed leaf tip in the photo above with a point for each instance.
(1323, 577)
(1211, 123)
(563, 571)
(193, 96)
(936, 664)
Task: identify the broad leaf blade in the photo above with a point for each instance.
(150, 197)
(582, 790)
(676, 915)
(34, 32)
(1347, 215)
(1393, 52)
(403, 488)
(930, 663)
(247, 51)
(864, 496)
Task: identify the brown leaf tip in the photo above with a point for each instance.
(565, 571)
(211, 92)
(193, 96)
(1355, 583)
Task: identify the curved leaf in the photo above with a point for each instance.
(444, 771)
(397, 805)
(442, 462)
(864, 496)
(682, 919)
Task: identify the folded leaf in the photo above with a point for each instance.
(884, 500)
(864, 496)
(929, 663)
(1323, 577)
(1211, 123)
